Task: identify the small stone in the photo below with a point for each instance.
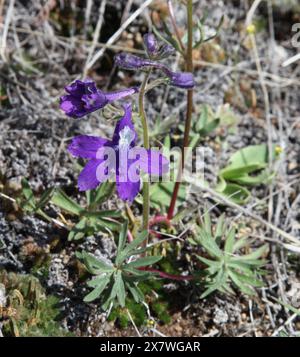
(221, 317)
(2, 295)
(178, 328)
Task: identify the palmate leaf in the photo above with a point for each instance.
(100, 285)
(120, 288)
(207, 241)
(62, 200)
(207, 223)
(79, 230)
(252, 257)
(129, 248)
(229, 243)
(241, 243)
(45, 198)
(217, 284)
(210, 263)
(136, 273)
(95, 265)
(244, 288)
(250, 280)
(102, 193)
(112, 282)
(226, 265)
(136, 293)
(144, 261)
(206, 124)
(122, 237)
(30, 203)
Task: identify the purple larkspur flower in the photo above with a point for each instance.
(151, 44)
(119, 158)
(178, 79)
(132, 62)
(83, 98)
(156, 50)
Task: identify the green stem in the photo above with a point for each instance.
(188, 120)
(146, 184)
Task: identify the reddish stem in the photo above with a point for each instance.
(129, 236)
(189, 112)
(160, 219)
(168, 276)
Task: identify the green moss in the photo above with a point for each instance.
(159, 306)
(29, 311)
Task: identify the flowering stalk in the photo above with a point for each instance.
(189, 68)
(146, 185)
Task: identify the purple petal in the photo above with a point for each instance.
(127, 191)
(87, 179)
(155, 164)
(83, 98)
(151, 44)
(72, 106)
(87, 146)
(131, 62)
(125, 121)
(120, 94)
(180, 79)
(79, 88)
(94, 101)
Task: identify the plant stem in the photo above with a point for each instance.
(188, 120)
(172, 16)
(146, 184)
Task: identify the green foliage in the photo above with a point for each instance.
(136, 310)
(28, 202)
(226, 265)
(159, 306)
(199, 35)
(160, 309)
(90, 221)
(247, 167)
(161, 193)
(209, 120)
(113, 281)
(28, 311)
(206, 123)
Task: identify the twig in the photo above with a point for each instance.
(291, 60)
(8, 19)
(87, 15)
(249, 18)
(96, 35)
(118, 33)
(172, 17)
(133, 323)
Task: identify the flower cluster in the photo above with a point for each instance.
(119, 157)
(155, 52)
